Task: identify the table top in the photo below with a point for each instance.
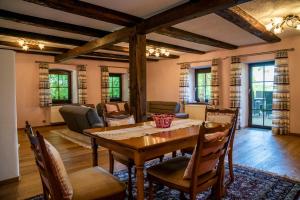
(153, 140)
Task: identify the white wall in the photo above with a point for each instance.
(9, 163)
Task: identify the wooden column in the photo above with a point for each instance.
(137, 70)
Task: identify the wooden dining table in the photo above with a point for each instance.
(144, 148)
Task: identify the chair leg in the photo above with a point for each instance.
(174, 153)
(161, 158)
(150, 190)
(111, 162)
(181, 196)
(130, 196)
(193, 196)
(230, 166)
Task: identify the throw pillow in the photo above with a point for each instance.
(120, 122)
(60, 171)
(111, 108)
(121, 106)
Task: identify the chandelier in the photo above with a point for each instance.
(25, 44)
(277, 24)
(157, 52)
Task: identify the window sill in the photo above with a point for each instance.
(198, 103)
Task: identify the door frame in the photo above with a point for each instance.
(250, 97)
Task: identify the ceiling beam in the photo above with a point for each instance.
(195, 38)
(239, 17)
(67, 41)
(167, 18)
(184, 12)
(85, 9)
(58, 50)
(171, 32)
(51, 24)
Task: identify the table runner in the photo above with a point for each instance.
(147, 128)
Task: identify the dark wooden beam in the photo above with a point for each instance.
(239, 17)
(51, 24)
(137, 71)
(195, 38)
(89, 10)
(171, 32)
(58, 50)
(184, 12)
(173, 47)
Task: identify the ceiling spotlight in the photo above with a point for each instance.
(21, 42)
(157, 54)
(167, 53)
(41, 46)
(25, 47)
(278, 24)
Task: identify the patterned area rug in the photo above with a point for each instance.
(249, 184)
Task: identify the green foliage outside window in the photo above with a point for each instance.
(203, 85)
(60, 86)
(115, 87)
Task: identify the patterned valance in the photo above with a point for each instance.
(82, 84)
(104, 84)
(281, 95)
(235, 85)
(44, 85)
(214, 96)
(184, 83)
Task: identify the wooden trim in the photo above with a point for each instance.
(167, 18)
(239, 17)
(90, 10)
(192, 37)
(10, 180)
(51, 24)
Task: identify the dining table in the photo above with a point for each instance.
(143, 147)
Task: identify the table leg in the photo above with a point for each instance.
(95, 151)
(140, 181)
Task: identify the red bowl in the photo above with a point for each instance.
(163, 120)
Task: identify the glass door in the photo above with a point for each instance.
(261, 94)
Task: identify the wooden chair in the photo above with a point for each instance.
(129, 163)
(171, 173)
(221, 116)
(90, 183)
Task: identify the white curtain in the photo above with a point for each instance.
(281, 95)
(44, 85)
(214, 96)
(82, 85)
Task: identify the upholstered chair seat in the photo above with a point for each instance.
(172, 171)
(95, 183)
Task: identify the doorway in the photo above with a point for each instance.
(261, 79)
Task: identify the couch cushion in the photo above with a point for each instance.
(111, 108)
(121, 106)
(163, 107)
(59, 171)
(119, 122)
(95, 183)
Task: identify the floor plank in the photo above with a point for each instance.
(253, 147)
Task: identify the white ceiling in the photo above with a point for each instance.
(211, 25)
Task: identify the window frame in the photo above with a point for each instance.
(201, 71)
(120, 87)
(63, 72)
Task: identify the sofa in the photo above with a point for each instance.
(165, 107)
(79, 118)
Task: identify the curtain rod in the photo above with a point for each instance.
(242, 55)
(58, 63)
(113, 66)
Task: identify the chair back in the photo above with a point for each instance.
(45, 166)
(210, 152)
(223, 115)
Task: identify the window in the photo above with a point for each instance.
(202, 85)
(60, 86)
(115, 87)
(261, 97)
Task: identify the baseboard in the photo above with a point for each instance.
(11, 180)
(44, 126)
(295, 134)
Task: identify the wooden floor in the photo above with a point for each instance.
(253, 147)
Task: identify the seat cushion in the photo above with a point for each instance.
(59, 171)
(120, 122)
(95, 183)
(172, 171)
